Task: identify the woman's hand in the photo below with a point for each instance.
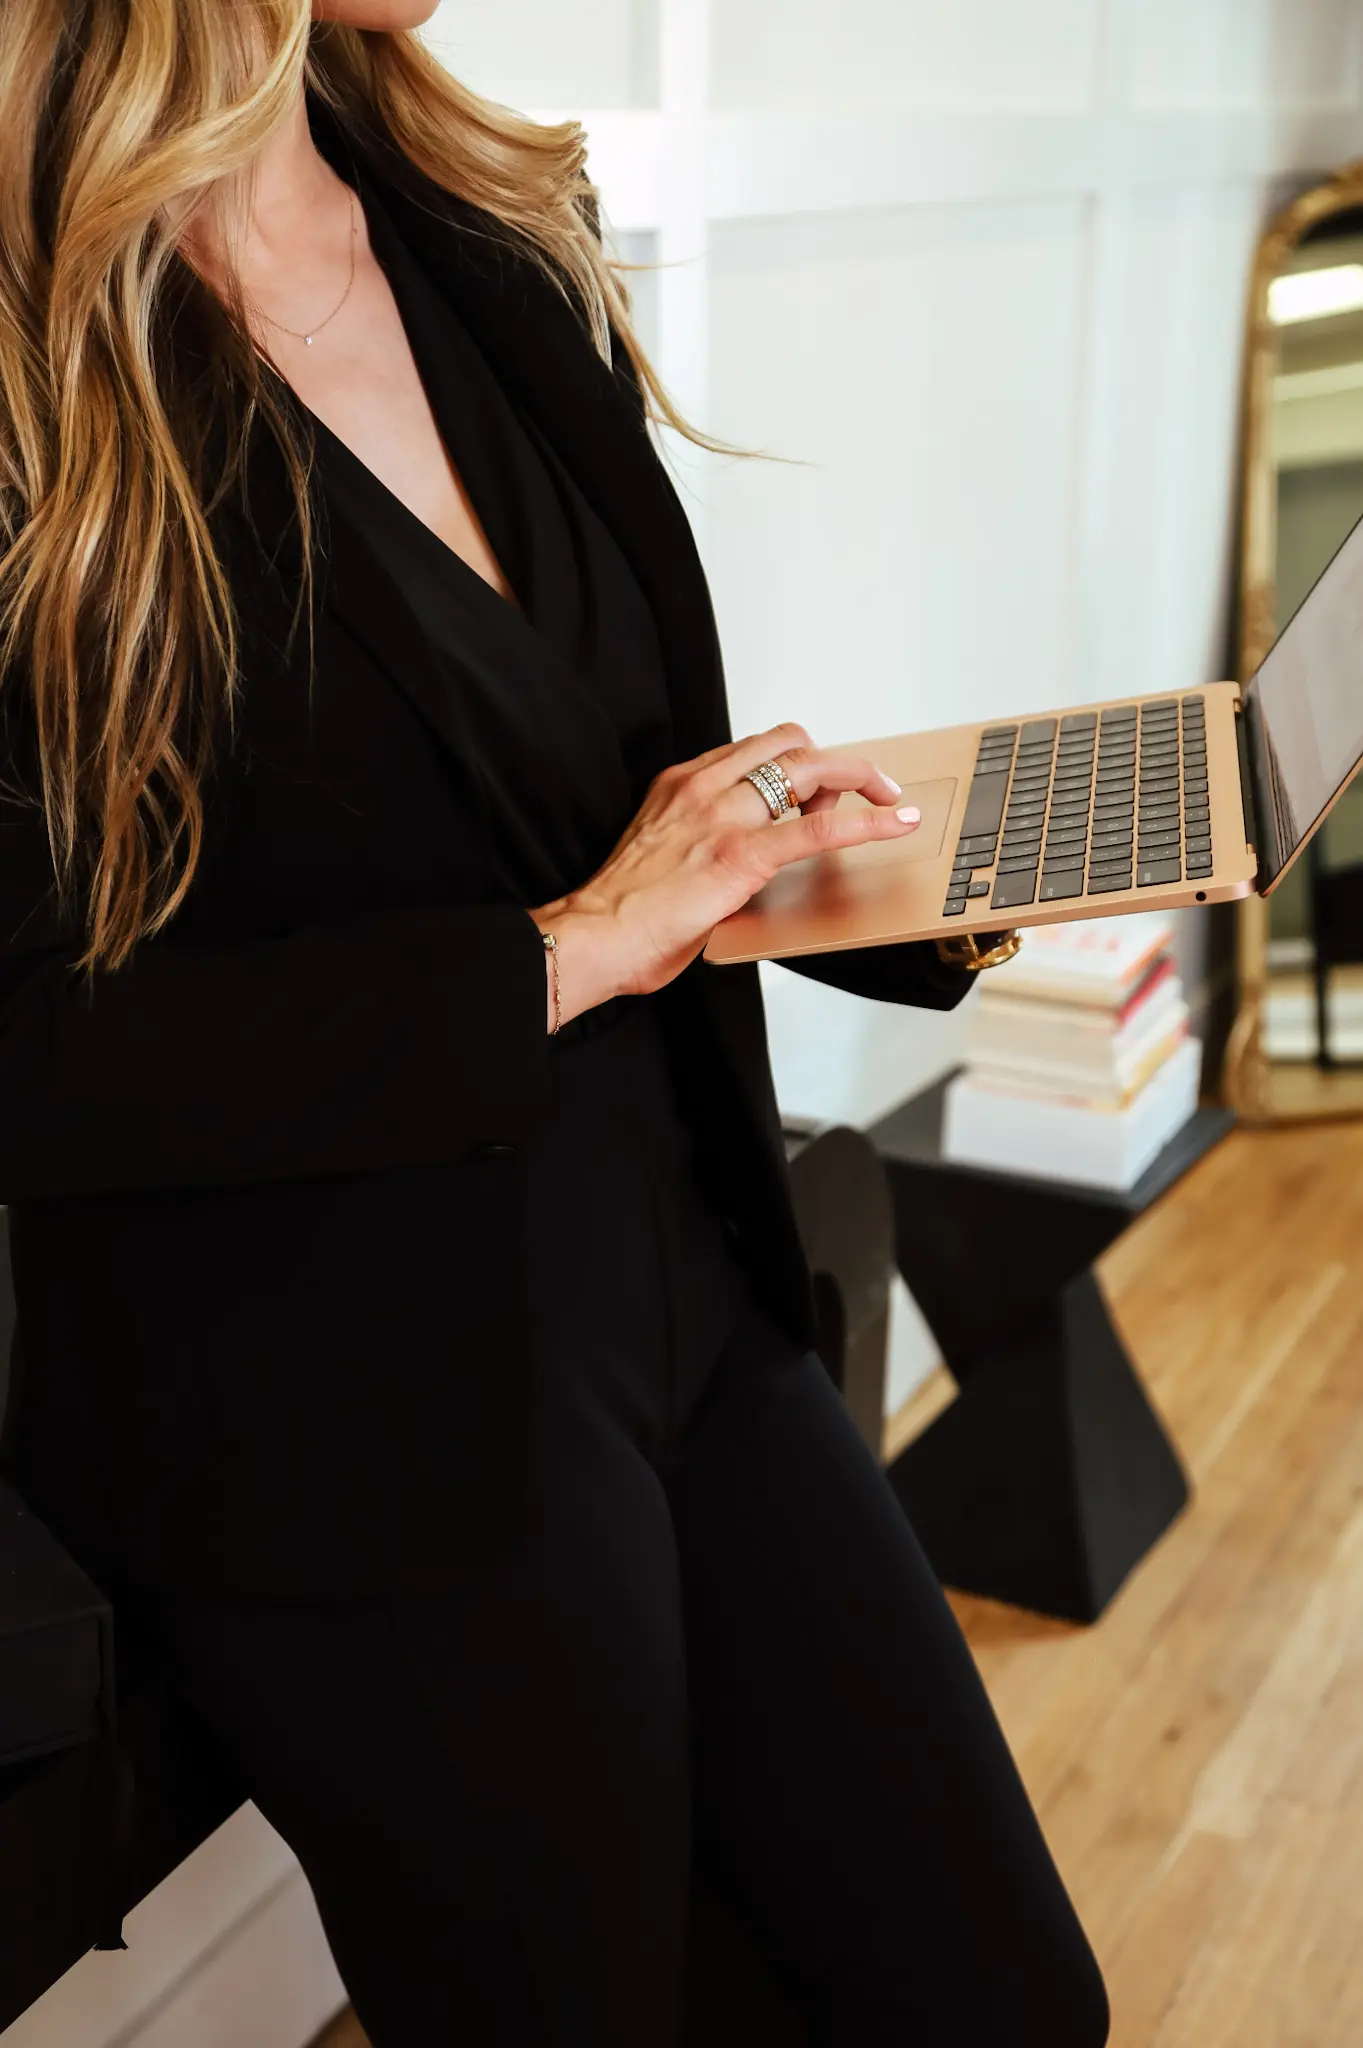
(703, 843)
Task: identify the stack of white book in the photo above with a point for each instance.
(1079, 1063)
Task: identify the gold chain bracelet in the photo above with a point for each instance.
(551, 948)
(964, 951)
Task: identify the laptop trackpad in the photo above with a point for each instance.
(934, 799)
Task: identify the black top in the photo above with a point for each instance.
(561, 696)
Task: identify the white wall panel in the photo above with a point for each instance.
(551, 53)
(924, 365)
(1167, 310)
(972, 53)
(1241, 53)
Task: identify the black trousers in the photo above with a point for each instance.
(708, 1760)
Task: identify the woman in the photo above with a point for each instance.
(415, 1339)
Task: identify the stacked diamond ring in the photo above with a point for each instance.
(775, 787)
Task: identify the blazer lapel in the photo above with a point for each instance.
(591, 412)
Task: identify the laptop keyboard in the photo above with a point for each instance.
(1058, 807)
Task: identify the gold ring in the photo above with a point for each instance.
(774, 787)
(791, 797)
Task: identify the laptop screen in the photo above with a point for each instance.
(1304, 710)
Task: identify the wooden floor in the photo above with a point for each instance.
(1197, 1758)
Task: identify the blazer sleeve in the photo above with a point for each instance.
(375, 1041)
(913, 974)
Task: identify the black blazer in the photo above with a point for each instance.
(265, 1180)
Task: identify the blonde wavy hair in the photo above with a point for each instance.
(121, 126)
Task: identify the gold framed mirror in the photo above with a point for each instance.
(1295, 1049)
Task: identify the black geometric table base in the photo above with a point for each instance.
(1050, 1476)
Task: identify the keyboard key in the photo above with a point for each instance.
(953, 909)
(1118, 715)
(1160, 835)
(1199, 844)
(1024, 864)
(1011, 891)
(1065, 882)
(984, 806)
(1038, 729)
(978, 889)
(1199, 864)
(999, 732)
(1154, 874)
(1102, 885)
(979, 842)
(1079, 721)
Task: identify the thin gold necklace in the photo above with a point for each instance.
(307, 338)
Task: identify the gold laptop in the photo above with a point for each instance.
(1149, 803)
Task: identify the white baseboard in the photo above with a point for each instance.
(227, 1953)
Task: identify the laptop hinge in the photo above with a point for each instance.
(1242, 742)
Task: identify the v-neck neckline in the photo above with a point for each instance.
(429, 536)
(507, 602)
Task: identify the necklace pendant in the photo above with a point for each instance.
(307, 341)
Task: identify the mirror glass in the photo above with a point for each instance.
(1313, 442)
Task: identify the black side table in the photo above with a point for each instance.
(1050, 1475)
(846, 1222)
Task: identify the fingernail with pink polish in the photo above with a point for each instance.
(909, 815)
